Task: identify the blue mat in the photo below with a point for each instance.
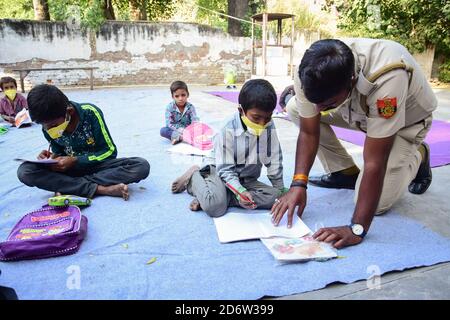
(190, 261)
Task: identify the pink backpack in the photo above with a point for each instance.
(200, 135)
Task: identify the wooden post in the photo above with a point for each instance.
(253, 47)
(92, 78)
(22, 84)
(279, 31)
(292, 49)
(264, 43)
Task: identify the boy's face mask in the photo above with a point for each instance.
(11, 94)
(254, 128)
(57, 132)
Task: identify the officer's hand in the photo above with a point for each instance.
(341, 236)
(289, 90)
(45, 154)
(247, 204)
(64, 164)
(296, 197)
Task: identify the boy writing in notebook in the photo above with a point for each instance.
(246, 143)
(83, 147)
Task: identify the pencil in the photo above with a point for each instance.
(48, 150)
(240, 194)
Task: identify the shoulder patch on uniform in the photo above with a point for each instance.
(387, 107)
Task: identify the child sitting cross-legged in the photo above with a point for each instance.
(12, 103)
(179, 113)
(246, 143)
(82, 146)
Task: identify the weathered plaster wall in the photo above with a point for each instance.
(125, 53)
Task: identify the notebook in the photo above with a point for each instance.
(256, 224)
(43, 161)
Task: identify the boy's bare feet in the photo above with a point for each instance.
(180, 184)
(117, 190)
(195, 205)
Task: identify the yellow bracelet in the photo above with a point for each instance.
(302, 177)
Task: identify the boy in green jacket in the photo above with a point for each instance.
(82, 146)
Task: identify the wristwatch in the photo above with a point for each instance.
(358, 230)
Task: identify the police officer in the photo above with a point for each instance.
(370, 85)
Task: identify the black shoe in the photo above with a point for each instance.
(423, 178)
(336, 180)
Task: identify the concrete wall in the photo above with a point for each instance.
(425, 60)
(125, 53)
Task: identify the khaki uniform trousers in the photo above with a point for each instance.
(403, 163)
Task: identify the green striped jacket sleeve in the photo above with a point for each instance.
(105, 147)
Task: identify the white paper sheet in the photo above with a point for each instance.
(43, 161)
(236, 226)
(187, 149)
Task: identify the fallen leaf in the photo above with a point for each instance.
(152, 260)
(125, 245)
(143, 188)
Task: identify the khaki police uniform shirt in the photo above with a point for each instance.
(415, 99)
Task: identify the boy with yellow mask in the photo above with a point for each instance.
(81, 143)
(246, 143)
(12, 103)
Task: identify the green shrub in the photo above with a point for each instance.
(444, 72)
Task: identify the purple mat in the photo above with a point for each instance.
(438, 138)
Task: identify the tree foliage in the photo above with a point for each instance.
(89, 13)
(228, 7)
(18, 9)
(417, 24)
(93, 13)
(152, 10)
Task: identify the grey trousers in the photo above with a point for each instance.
(214, 197)
(83, 182)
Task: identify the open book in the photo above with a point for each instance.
(237, 226)
(299, 249)
(43, 161)
(22, 118)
